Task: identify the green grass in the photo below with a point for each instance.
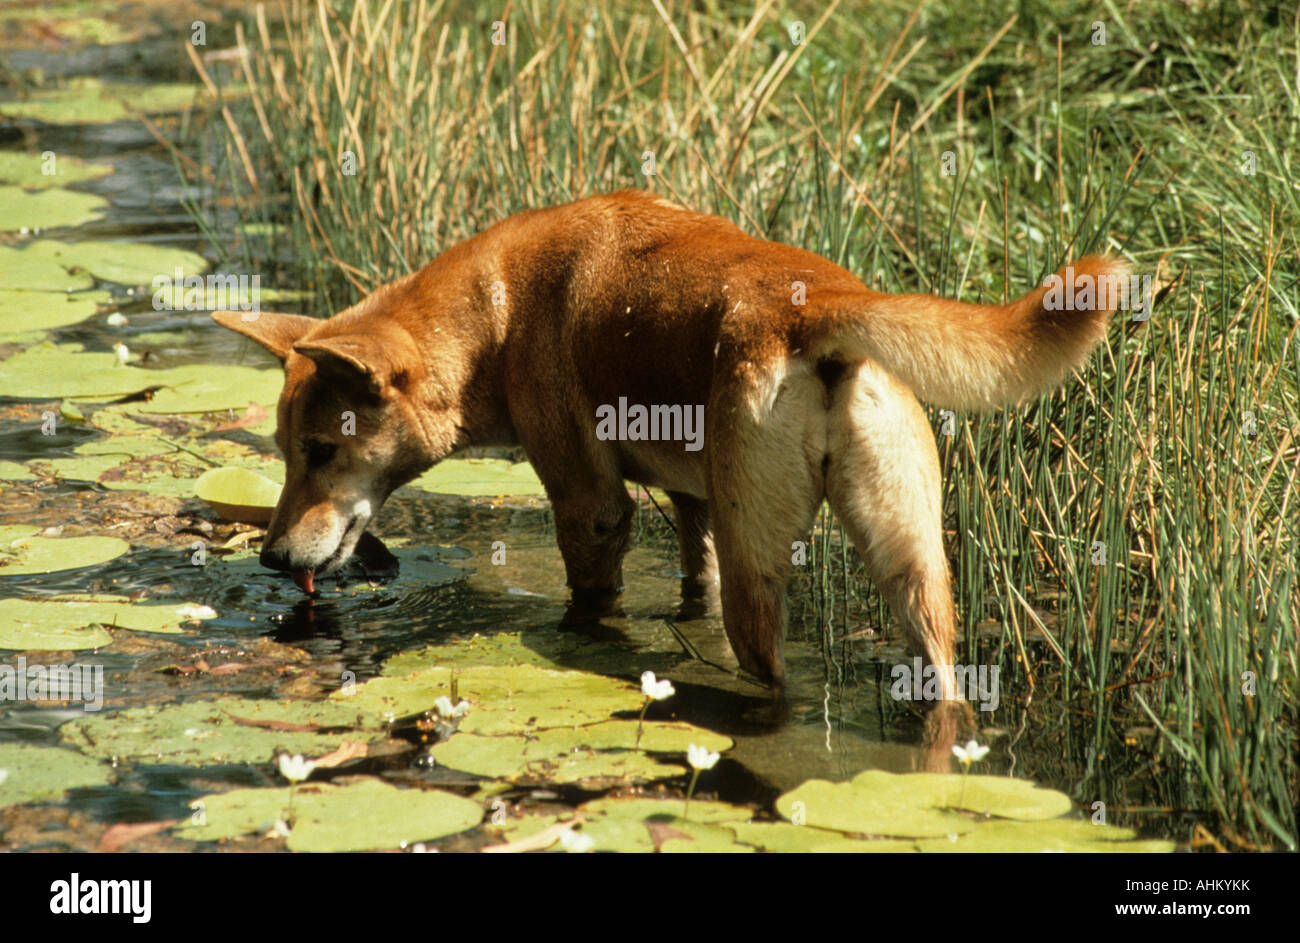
(1175, 448)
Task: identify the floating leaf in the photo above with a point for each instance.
(46, 209)
(29, 170)
(481, 477)
(782, 836)
(44, 774)
(1066, 835)
(48, 264)
(606, 751)
(13, 471)
(238, 494)
(227, 730)
(360, 816)
(885, 809)
(47, 554)
(646, 825)
(91, 101)
(547, 648)
(48, 371)
(505, 699)
(22, 311)
(66, 622)
(1000, 796)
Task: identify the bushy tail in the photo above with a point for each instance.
(971, 356)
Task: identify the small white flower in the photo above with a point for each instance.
(700, 758)
(4, 774)
(191, 611)
(123, 352)
(444, 708)
(576, 841)
(116, 319)
(656, 690)
(295, 768)
(279, 830)
(971, 753)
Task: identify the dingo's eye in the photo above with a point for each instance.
(319, 453)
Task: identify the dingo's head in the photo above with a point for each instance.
(348, 426)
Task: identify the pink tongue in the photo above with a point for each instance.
(304, 579)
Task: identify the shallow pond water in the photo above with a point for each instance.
(268, 640)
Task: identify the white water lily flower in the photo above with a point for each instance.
(701, 758)
(576, 841)
(971, 753)
(656, 690)
(191, 611)
(123, 352)
(4, 774)
(444, 708)
(295, 768)
(116, 319)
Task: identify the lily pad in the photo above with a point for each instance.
(23, 311)
(13, 471)
(669, 826)
(65, 623)
(47, 554)
(30, 170)
(46, 209)
(1065, 835)
(44, 774)
(322, 817)
(504, 698)
(47, 371)
(47, 264)
(238, 494)
(227, 730)
(999, 796)
(91, 101)
(606, 751)
(886, 809)
(784, 837)
(480, 477)
(547, 648)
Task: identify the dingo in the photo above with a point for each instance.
(543, 329)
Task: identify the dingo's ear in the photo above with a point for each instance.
(276, 332)
(376, 360)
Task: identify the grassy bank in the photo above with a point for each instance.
(1140, 527)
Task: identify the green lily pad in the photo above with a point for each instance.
(75, 622)
(45, 774)
(1065, 835)
(37, 267)
(238, 494)
(632, 825)
(784, 837)
(47, 554)
(13, 471)
(547, 648)
(91, 101)
(29, 170)
(999, 796)
(51, 265)
(885, 809)
(606, 751)
(47, 371)
(480, 477)
(360, 816)
(504, 698)
(22, 311)
(227, 730)
(46, 209)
